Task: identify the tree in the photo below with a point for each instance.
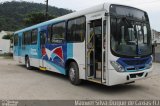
(13, 13)
(8, 37)
(35, 18)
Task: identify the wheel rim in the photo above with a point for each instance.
(72, 74)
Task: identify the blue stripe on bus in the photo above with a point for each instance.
(69, 50)
(129, 63)
(60, 69)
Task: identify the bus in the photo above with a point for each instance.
(108, 44)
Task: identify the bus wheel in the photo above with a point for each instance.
(27, 63)
(74, 73)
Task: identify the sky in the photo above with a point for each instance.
(151, 6)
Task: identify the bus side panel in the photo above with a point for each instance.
(15, 53)
(33, 52)
(17, 49)
(54, 57)
(79, 57)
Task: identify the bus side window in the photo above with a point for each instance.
(49, 37)
(23, 39)
(34, 36)
(26, 38)
(76, 29)
(58, 33)
(43, 38)
(15, 39)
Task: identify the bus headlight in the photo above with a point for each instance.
(117, 66)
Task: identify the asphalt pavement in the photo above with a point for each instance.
(18, 83)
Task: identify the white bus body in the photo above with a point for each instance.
(112, 51)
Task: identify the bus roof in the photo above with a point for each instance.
(101, 7)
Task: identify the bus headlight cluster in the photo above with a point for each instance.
(117, 66)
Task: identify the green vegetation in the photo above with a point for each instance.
(17, 15)
(6, 37)
(7, 55)
(36, 17)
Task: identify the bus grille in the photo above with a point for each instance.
(135, 62)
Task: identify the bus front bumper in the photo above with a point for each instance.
(116, 78)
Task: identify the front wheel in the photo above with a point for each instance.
(74, 73)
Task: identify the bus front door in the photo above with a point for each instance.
(94, 51)
(43, 35)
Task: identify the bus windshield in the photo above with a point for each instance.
(130, 32)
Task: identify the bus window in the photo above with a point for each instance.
(34, 36)
(49, 33)
(58, 33)
(43, 38)
(23, 39)
(16, 40)
(76, 30)
(26, 38)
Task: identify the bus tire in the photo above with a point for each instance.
(27, 63)
(74, 73)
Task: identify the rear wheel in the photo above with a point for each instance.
(27, 63)
(74, 73)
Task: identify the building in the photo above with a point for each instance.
(155, 36)
(5, 45)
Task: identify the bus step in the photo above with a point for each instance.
(95, 80)
(90, 77)
(43, 68)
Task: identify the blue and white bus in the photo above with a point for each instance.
(108, 44)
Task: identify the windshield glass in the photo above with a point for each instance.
(130, 34)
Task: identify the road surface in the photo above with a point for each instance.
(17, 83)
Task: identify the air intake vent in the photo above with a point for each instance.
(136, 75)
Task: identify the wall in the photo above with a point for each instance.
(4, 44)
